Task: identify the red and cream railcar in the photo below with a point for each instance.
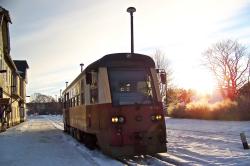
(115, 104)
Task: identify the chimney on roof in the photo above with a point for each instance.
(81, 66)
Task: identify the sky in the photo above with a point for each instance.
(55, 36)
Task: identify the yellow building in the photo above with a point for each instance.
(13, 79)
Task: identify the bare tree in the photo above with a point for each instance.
(161, 62)
(248, 79)
(41, 98)
(229, 61)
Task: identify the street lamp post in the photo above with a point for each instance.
(131, 10)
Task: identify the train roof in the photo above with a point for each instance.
(122, 60)
(117, 60)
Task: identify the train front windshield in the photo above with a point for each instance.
(131, 86)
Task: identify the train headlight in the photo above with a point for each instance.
(121, 119)
(153, 118)
(118, 119)
(156, 117)
(114, 119)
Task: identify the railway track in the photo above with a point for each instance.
(156, 159)
(56, 123)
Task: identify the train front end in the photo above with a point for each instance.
(135, 119)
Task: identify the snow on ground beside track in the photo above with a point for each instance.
(56, 120)
(37, 142)
(95, 155)
(204, 142)
(195, 142)
(40, 141)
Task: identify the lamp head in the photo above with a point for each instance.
(131, 10)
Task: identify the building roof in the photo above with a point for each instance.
(10, 62)
(4, 13)
(21, 66)
(245, 89)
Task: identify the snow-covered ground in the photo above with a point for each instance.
(203, 142)
(40, 141)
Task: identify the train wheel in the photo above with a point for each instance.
(90, 141)
(74, 133)
(68, 129)
(71, 131)
(78, 135)
(83, 137)
(65, 128)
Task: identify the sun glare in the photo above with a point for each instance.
(204, 84)
(205, 88)
(200, 80)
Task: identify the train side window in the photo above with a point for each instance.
(74, 101)
(78, 100)
(64, 102)
(82, 98)
(67, 100)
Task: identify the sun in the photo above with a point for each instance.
(202, 81)
(205, 88)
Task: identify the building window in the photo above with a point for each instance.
(1, 61)
(1, 92)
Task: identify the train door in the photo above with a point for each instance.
(66, 108)
(92, 99)
(92, 82)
